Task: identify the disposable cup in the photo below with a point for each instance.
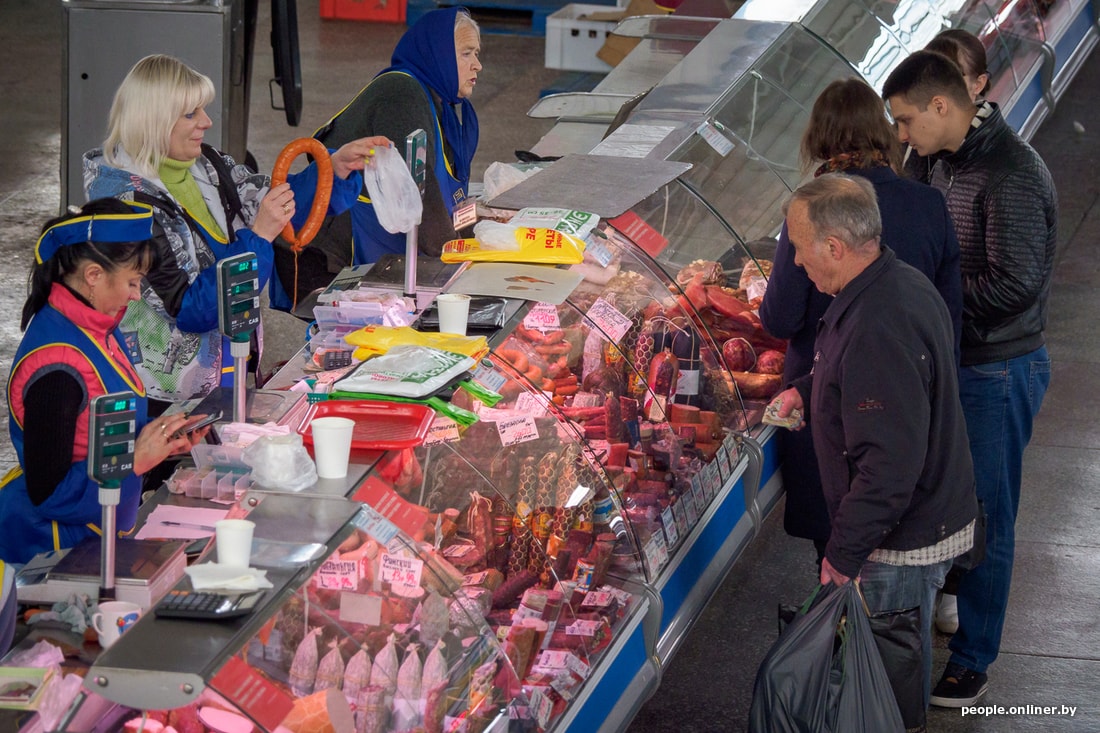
(332, 445)
(113, 618)
(233, 538)
(454, 311)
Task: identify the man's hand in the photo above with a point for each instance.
(829, 574)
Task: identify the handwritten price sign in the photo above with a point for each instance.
(401, 571)
(609, 320)
(542, 317)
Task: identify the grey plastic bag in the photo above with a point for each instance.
(824, 673)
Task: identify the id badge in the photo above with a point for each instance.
(132, 346)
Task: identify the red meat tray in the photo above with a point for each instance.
(378, 425)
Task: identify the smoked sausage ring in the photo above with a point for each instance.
(301, 146)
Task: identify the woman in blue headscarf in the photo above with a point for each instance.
(428, 84)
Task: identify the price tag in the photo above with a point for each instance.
(721, 144)
(596, 246)
(443, 430)
(587, 399)
(691, 511)
(669, 522)
(338, 575)
(542, 706)
(554, 659)
(619, 593)
(531, 404)
(597, 599)
(652, 555)
(712, 480)
(583, 628)
(662, 548)
(465, 214)
(724, 463)
(542, 317)
(516, 430)
(489, 378)
(609, 320)
(403, 571)
(679, 513)
(699, 494)
(374, 524)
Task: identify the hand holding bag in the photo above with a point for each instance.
(824, 673)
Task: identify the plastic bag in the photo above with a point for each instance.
(372, 340)
(809, 683)
(406, 371)
(280, 462)
(542, 246)
(393, 192)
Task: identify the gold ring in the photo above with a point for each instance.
(286, 208)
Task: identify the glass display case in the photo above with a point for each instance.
(516, 574)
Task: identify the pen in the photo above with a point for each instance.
(188, 525)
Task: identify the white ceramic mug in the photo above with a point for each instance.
(112, 618)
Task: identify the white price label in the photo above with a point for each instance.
(721, 144)
(583, 628)
(542, 317)
(338, 575)
(699, 494)
(542, 706)
(622, 596)
(531, 404)
(597, 247)
(724, 463)
(680, 514)
(691, 511)
(652, 555)
(374, 524)
(712, 479)
(443, 430)
(669, 522)
(662, 548)
(403, 571)
(516, 430)
(489, 378)
(597, 599)
(554, 659)
(609, 320)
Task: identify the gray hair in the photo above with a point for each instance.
(462, 18)
(841, 206)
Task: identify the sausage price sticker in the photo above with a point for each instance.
(338, 575)
(442, 430)
(517, 430)
(609, 320)
(401, 571)
(542, 317)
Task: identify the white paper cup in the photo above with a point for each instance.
(112, 618)
(332, 445)
(454, 311)
(233, 538)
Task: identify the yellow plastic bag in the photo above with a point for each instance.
(372, 340)
(543, 246)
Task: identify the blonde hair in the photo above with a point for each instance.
(156, 92)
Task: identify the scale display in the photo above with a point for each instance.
(239, 296)
(112, 430)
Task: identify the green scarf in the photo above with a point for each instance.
(177, 178)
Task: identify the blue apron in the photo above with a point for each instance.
(72, 513)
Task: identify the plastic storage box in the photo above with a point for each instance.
(572, 39)
(382, 11)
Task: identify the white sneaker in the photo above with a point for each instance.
(947, 613)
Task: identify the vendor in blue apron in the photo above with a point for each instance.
(427, 86)
(89, 265)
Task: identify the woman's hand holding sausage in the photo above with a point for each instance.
(275, 211)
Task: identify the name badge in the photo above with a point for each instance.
(465, 214)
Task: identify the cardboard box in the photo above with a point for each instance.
(616, 48)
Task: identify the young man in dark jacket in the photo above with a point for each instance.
(1004, 207)
(887, 425)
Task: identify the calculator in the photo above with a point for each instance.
(205, 605)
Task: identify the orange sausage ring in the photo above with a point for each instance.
(303, 145)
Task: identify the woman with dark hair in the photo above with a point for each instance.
(968, 52)
(89, 266)
(848, 132)
(427, 86)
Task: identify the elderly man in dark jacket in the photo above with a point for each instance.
(887, 425)
(1002, 201)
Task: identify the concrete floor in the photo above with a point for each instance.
(1051, 649)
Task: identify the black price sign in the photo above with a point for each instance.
(239, 296)
(112, 430)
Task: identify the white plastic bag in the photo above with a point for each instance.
(280, 462)
(393, 191)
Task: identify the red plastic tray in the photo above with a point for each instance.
(378, 425)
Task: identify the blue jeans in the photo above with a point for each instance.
(901, 587)
(1000, 401)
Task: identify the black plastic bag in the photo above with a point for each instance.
(898, 638)
(824, 673)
